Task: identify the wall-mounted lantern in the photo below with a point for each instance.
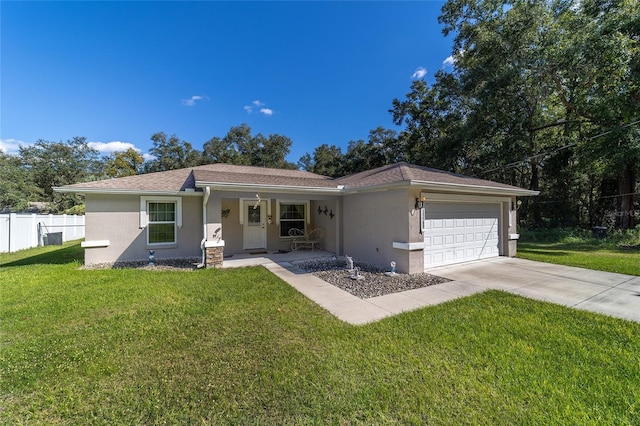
(420, 207)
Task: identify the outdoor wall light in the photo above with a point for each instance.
(516, 205)
(420, 203)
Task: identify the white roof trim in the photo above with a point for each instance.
(442, 186)
(83, 191)
(266, 188)
(475, 189)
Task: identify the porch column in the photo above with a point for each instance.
(214, 254)
(214, 244)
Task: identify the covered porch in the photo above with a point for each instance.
(253, 227)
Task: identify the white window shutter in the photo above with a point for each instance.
(143, 212)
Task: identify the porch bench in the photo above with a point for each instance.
(309, 240)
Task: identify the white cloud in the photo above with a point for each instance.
(148, 157)
(257, 104)
(192, 100)
(419, 73)
(449, 61)
(11, 146)
(113, 146)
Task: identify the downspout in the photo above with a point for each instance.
(205, 200)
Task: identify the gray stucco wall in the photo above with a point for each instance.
(329, 225)
(116, 218)
(373, 221)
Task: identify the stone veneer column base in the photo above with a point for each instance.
(214, 257)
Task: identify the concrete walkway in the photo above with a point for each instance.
(617, 295)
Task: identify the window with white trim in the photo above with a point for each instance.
(292, 215)
(161, 228)
(161, 216)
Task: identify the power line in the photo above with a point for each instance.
(556, 150)
(594, 199)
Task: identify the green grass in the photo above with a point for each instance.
(579, 248)
(242, 347)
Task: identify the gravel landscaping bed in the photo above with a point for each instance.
(189, 264)
(375, 282)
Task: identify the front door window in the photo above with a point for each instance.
(253, 215)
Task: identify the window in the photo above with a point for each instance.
(161, 228)
(291, 216)
(161, 217)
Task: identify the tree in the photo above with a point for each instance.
(171, 154)
(238, 146)
(273, 152)
(52, 164)
(219, 150)
(327, 160)
(123, 163)
(240, 139)
(431, 116)
(17, 188)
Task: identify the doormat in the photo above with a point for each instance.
(282, 251)
(257, 252)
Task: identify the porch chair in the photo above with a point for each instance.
(309, 240)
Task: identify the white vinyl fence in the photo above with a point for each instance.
(19, 231)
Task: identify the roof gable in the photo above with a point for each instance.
(227, 174)
(406, 172)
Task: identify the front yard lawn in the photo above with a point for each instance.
(577, 248)
(242, 347)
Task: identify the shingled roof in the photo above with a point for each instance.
(405, 172)
(167, 181)
(248, 175)
(230, 176)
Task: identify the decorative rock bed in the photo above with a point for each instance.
(375, 281)
(188, 264)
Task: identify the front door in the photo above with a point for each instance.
(255, 226)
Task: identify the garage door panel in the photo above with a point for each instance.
(456, 233)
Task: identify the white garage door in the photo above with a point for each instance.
(456, 233)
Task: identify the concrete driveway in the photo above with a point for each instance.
(613, 294)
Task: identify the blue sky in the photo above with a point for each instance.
(117, 72)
